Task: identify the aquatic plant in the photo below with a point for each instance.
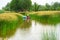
(8, 23)
(46, 19)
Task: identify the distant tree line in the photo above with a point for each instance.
(18, 5)
(46, 7)
(26, 5)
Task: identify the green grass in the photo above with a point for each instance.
(46, 19)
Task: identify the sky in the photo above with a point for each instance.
(41, 2)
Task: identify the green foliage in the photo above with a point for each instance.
(1, 11)
(7, 7)
(23, 13)
(26, 5)
(56, 6)
(8, 28)
(20, 5)
(35, 7)
(46, 19)
(20, 19)
(46, 7)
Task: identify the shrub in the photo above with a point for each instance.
(1, 11)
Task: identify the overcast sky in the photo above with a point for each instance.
(42, 2)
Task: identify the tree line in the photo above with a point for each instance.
(18, 5)
(46, 7)
(26, 5)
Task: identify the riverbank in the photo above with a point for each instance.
(46, 17)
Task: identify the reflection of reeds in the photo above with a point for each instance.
(25, 25)
(49, 36)
(46, 19)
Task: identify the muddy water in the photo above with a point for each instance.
(37, 31)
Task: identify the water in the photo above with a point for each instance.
(37, 31)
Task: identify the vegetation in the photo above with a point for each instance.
(1, 11)
(8, 23)
(46, 19)
(18, 5)
(35, 7)
(55, 6)
(25, 25)
(26, 5)
(7, 7)
(49, 36)
(45, 14)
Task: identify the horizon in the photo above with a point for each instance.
(3, 3)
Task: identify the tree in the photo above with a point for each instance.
(7, 7)
(42, 8)
(35, 7)
(56, 6)
(20, 5)
(47, 6)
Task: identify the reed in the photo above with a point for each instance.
(9, 22)
(46, 19)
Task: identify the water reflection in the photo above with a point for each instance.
(5, 33)
(49, 35)
(25, 25)
(36, 31)
(46, 23)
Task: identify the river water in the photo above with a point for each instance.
(37, 31)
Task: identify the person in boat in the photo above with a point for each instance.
(28, 18)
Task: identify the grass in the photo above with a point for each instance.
(47, 18)
(8, 23)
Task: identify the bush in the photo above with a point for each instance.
(23, 13)
(1, 11)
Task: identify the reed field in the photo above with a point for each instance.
(46, 17)
(44, 12)
(9, 22)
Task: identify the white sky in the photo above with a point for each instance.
(42, 2)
